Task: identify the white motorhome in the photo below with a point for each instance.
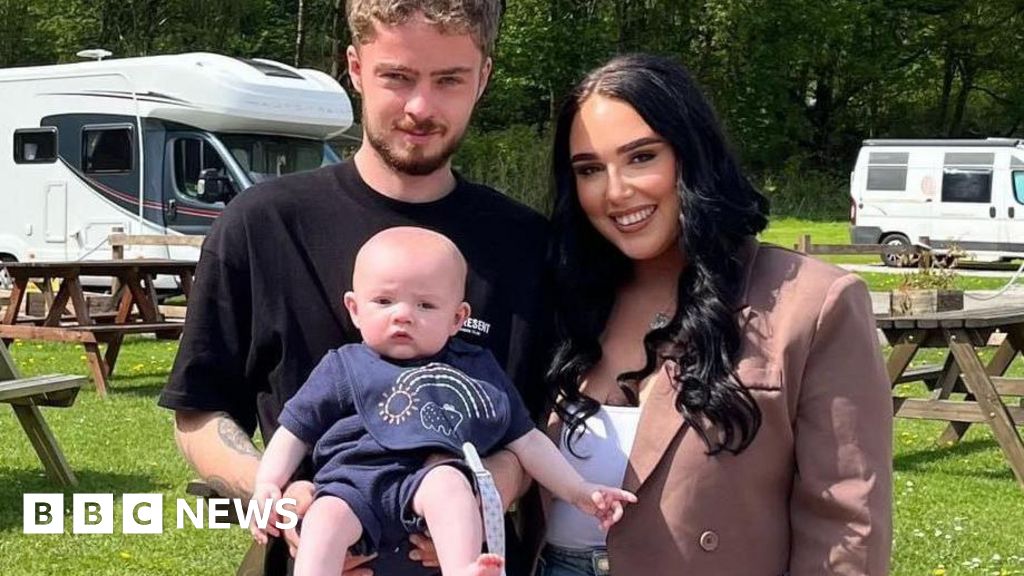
(155, 145)
(963, 193)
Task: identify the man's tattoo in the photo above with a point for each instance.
(235, 438)
(225, 490)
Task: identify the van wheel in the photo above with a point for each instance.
(898, 260)
(5, 279)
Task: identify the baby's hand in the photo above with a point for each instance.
(265, 494)
(604, 502)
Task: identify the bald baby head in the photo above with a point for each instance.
(408, 246)
(407, 292)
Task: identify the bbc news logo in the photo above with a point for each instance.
(144, 513)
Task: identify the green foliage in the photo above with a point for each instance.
(888, 281)
(514, 160)
(933, 273)
(800, 191)
(929, 279)
(50, 31)
(798, 84)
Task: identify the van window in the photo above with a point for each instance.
(1018, 186)
(264, 157)
(967, 185)
(889, 158)
(191, 157)
(107, 149)
(887, 171)
(887, 178)
(970, 158)
(35, 145)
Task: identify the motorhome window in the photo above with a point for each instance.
(1018, 186)
(35, 146)
(887, 171)
(973, 185)
(889, 158)
(887, 178)
(267, 157)
(969, 158)
(106, 150)
(191, 157)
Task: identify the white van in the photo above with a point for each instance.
(964, 193)
(154, 145)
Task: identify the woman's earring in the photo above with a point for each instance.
(660, 320)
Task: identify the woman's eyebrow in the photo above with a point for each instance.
(638, 143)
(582, 156)
(627, 147)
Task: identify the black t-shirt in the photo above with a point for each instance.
(267, 301)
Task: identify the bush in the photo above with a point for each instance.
(515, 161)
(805, 193)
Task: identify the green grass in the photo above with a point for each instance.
(787, 231)
(882, 282)
(957, 508)
(120, 445)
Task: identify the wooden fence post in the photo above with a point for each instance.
(117, 252)
(116, 247)
(803, 245)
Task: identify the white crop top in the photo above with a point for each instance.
(603, 447)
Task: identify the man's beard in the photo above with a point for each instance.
(415, 163)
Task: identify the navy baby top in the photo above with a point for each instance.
(358, 408)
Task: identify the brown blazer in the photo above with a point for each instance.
(812, 494)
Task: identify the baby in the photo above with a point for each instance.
(386, 420)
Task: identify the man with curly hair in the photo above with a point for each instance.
(267, 303)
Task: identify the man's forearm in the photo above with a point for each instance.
(218, 450)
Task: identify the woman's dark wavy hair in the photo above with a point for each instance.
(719, 209)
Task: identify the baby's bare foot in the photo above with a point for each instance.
(486, 565)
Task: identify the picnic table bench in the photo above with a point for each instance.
(985, 388)
(26, 395)
(137, 310)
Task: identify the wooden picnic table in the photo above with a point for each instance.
(964, 333)
(136, 293)
(26, 395)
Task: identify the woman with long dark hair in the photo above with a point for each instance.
(737, 388)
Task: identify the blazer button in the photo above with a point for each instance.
(709, 541)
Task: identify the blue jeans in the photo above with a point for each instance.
(558, 561)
